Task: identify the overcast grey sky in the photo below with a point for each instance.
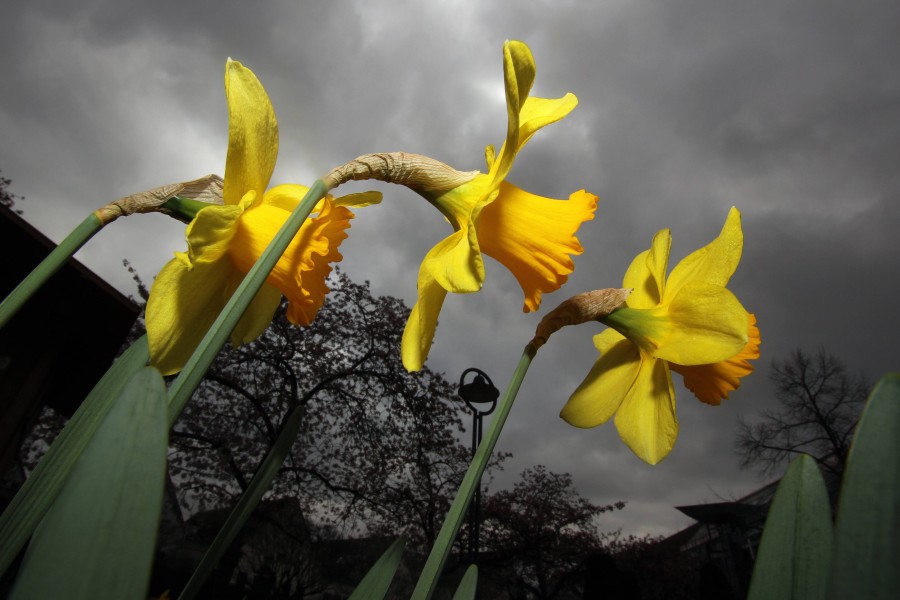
(787, 109)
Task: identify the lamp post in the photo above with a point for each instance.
(480, 396)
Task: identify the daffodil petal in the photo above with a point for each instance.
(647, 273)
(715, 262)
(286, 196)
(534, 237)
(712, 383)
(518, 77)
(601, 393)
(606, 339)
(646, 420)
(191, 290)
(422, 323)
(641, 283)
(540, 112)
(358, 200)
(252, 134)
(525, 115)
(210, 233)
(456, 263)
(258, 315)
(707, 324)
(184, 302)
(489, 156)
(703, 324)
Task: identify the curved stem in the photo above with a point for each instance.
(50, 265)
(434, 565)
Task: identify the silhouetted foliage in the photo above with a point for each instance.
(7, 198)
(819, 406)
(278, 554)
(644, 568)
(543, 530)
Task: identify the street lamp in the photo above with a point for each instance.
(480, 396)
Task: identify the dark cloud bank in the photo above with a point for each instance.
(788, 110)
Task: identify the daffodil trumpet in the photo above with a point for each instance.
(532, 236)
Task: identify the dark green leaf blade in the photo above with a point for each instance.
(38, 492)
(795, 551)
(374, 586)
(98, 538)
(867, 533)
(468, 585)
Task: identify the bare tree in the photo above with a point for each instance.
(379, 445)
(819, 406)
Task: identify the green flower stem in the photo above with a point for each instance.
(50, 265)
(434, 565)
(261, 481)
(196, 367)
(183, 208)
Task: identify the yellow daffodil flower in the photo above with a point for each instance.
(532, 236)
(689, 323)
(224, 241)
